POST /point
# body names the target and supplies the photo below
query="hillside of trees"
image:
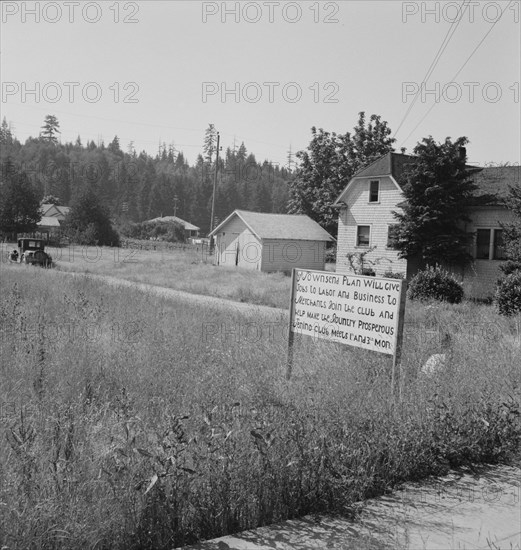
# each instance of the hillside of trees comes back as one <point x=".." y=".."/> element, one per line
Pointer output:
<point x="136" y="187"/>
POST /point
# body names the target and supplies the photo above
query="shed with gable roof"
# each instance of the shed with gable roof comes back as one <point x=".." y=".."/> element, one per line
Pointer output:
<point x="270" y="242"/>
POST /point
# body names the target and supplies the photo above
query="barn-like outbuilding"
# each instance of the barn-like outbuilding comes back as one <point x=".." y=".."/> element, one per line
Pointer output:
<point x="270" y="242"/>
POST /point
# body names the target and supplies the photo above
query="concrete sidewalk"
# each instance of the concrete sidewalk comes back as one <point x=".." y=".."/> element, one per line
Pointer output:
<point x="468" y="511"/>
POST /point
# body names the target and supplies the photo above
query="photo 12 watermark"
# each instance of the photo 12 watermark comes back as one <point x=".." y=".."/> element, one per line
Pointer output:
<point x="52" y="172"/>
<point x="73" y="92"/>
<point x="455" y="92"/>
<point x="271" y="12"/>
<point x="69" y="331"/>
<point x="245" y="333"/>
<point x="70" y="253"/>
<point x="453" y="12"/>
<point x="269" y="92"/>
<point x="70" y="12"/>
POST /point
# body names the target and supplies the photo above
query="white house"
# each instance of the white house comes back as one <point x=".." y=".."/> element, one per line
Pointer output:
<point x="365" y="221"/>
<point x="52" y="218"/>
<point x="270" y="242"/>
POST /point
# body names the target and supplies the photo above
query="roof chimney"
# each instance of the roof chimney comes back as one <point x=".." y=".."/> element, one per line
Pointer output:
<point x="462" y="153"/>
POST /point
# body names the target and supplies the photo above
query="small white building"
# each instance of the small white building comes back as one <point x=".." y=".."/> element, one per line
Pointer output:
<point x="270" y="242"/>
<point x="52" y="219"/>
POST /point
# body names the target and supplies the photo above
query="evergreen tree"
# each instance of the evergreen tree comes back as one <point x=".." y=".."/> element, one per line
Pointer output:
<point x="438" y="194"/>
<point x="210" y="139"/>
<point x="66" y="170"/>
<point x="144" y="198"/>
<point x="19" y="205"/>
<point x="6" y="137"/>
<point x="50" y="129"/>
<point x="157" y="205"/>
<point x="88" y="221"/>
<point x="114" y="147"/>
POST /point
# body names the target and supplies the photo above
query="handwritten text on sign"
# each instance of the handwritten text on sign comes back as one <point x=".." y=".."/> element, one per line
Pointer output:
<point x="350" y="309"/>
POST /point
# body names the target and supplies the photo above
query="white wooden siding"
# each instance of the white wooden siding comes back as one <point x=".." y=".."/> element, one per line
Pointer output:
<point x="227" y="241"/>
<point x="378" y="215"/>
<point x="284" y="255"/>
<point x="250" y="251"/>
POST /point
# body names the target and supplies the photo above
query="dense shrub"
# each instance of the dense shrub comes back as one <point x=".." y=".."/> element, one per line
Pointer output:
<point x="331" y="255"/>
<point x="508" y="294"/>
<point x="435" y="283"/>
<point x="510" y="266"/>
<point x="88" y="222"/>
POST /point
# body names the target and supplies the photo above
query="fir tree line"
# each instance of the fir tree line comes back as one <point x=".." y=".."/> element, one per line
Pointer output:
<point x="137" y="187"/>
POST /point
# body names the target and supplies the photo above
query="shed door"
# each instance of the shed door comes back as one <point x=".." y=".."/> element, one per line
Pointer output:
<point x="229" y="250"/>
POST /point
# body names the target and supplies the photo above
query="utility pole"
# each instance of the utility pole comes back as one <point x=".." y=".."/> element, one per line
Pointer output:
<point x="214" y="187"/>
<point x="176" y="199"/>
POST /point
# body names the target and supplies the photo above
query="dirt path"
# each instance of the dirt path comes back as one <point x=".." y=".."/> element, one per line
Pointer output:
<point x="179" y="295"/>
<point x="464" y="511"/>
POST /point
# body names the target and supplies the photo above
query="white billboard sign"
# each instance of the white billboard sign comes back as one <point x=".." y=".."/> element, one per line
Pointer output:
<point x="366" y="312"/>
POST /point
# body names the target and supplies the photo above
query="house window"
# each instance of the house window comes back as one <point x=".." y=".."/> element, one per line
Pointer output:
<point x="499" y="251"/>
<point x="489" y="244"/>
<point x="392" y="236"/>
<point x="374" y="191"/>
<point x="362" y="237"/>
<point x="483" y="244"/>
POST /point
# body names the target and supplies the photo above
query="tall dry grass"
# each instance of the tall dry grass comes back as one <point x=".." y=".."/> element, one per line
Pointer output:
<point x="133" y="422"/>
<point x="188" y="268"/>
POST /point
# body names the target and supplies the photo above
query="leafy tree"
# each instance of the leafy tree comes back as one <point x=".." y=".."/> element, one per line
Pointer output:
<point x="329" y="162"/>
<point x="50" y="129"/>
<point x="512" y="231"/>
<point x="19" y="205"/>
<point x="88" y="221"/>
<point x="438" y="194"/>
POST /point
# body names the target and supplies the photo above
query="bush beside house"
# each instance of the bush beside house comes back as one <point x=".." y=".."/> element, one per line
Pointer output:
<point x="435" y="283"/>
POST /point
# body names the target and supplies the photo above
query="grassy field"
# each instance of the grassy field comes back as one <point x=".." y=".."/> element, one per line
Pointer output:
<point x="133" y="422"/>
<point x="189" y="269"/>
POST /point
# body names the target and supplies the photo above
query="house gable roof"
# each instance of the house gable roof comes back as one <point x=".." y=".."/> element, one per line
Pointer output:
<point x="493" y="182"/>
<point x="49" y="209"/>
<point x="279" y="226"/>
<point x="391" y="164"/>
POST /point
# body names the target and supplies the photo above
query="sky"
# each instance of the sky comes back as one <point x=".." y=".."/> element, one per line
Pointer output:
<point x="264" y="73"/>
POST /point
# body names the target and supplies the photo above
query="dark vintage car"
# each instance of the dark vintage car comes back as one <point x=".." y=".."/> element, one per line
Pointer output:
<point x="31" y="251"/>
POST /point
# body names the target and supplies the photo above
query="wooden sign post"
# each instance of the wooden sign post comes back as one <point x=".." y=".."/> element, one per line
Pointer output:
<point x="396" y="382"/>
<point x="291" y="334"/>
<point x="355" y="310"/>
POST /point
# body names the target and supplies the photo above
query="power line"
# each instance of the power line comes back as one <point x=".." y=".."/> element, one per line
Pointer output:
<point x="450" y="33"/>
<point x="459" y="70"/>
